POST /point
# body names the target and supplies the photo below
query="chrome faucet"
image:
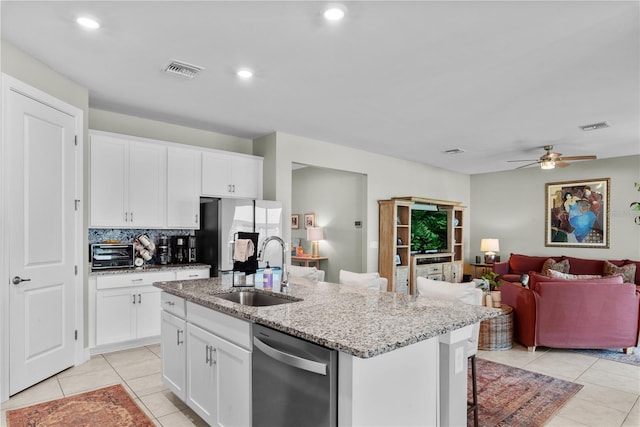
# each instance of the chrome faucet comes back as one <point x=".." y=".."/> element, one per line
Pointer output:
<point x="284" y="279"/>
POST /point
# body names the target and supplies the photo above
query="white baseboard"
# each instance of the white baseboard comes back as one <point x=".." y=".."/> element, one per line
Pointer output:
<point x="108" y="348"/>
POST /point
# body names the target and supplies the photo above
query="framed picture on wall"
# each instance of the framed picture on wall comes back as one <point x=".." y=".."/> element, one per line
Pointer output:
<point x="309" y="220"/>
<point x="577" y="213"/>
<point x="295" y="221"/>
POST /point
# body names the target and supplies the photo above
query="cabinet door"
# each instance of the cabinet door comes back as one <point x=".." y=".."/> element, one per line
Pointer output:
<point x="108" y="174"/>
<point x="245" y="177"/>
<point x="201" y="380"/>
<point x="147" y="184"/>
<point x="183" y="188"/>
<point x="174" y="354"/>
<point x="233" y="372"/>
<point x="216" y="174"/>
<point x="147" y="311"/>
<point x="115" y="316"/>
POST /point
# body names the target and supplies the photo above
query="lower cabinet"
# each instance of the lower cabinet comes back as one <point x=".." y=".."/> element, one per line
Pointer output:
<point x="127" y="313"/>
<point x="211" y="374"/>
<point x="174" y="354"/>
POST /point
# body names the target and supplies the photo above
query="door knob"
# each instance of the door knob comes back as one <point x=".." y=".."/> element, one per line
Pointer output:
<point x="17" y="280"/>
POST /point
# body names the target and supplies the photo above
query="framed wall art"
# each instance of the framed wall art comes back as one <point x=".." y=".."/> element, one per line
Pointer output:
<point x="577" y="213"/>
<point x="309" y="220"/>
<point x="295" y="221"/>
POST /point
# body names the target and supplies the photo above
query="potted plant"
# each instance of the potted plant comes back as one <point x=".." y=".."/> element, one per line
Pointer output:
<point x="494" y="287"/>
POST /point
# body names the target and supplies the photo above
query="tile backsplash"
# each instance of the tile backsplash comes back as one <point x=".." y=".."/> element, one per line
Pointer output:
<point x="99" y="235"/>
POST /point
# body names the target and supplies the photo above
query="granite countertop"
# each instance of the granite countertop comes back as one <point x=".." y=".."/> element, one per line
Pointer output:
<point x="360" y="322"/>
<point x="147" y="269"/>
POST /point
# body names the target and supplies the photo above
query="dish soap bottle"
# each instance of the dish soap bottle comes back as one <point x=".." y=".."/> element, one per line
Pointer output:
<point x="267" y="278"/>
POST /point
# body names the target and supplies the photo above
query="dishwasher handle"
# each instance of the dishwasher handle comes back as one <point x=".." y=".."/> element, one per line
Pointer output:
<point x="290" y="359"/>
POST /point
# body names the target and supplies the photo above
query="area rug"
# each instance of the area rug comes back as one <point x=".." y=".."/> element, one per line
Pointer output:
<point x="509" y="396"/>
<point x="613" y="354"/>
<point x="109" y="406"/>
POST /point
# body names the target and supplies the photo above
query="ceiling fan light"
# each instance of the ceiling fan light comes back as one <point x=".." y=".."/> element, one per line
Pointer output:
<point x="547" y="164"/>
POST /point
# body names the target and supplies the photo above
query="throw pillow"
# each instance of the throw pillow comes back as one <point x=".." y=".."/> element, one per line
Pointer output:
<point x="309" y="273"/>
<point x="628" y="271"/>
<point x="551" y="264"/>
<point x="567" y="276"/>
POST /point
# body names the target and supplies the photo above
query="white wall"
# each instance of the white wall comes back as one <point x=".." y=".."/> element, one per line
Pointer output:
<point x="338" y="199"/>
<point x="511" y="207"/>
<point x="129" y="125"/>
<point x="386" y="177"/>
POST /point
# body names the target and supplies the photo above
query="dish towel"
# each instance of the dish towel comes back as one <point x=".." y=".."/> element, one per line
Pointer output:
<point x="244" y="248"/>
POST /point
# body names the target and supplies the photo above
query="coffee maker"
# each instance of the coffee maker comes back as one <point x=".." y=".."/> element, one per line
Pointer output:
<point x="191" y="249"/>
<point x="163" y="253"/>
<point x="179" y="249"/>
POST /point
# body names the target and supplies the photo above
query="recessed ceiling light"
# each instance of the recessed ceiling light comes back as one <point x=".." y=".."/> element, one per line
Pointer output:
<point x="334" y="13"/>
<point x="244" y="73"/>
<point x="88" y="23"/>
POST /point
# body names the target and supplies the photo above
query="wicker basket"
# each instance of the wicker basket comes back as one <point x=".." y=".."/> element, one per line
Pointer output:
<point x="497" y="333"/>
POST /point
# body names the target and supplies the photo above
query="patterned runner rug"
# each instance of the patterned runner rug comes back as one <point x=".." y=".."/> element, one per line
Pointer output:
<point x="509" y="396"/>
<point x="614" y="354"/>
<point x="109" y="406"/>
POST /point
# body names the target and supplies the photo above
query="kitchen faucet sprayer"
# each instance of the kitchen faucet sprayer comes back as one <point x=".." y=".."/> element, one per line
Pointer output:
<point x="284" y="280"/>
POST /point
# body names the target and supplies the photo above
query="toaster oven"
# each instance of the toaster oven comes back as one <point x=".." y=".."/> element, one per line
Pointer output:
<point x="108" y="255"/>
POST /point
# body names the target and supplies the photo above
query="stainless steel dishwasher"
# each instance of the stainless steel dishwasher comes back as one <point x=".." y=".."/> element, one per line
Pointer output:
<point x="294" y="381"/>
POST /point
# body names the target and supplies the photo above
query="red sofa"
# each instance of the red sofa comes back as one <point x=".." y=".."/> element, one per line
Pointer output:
<point x="560" y="313"/>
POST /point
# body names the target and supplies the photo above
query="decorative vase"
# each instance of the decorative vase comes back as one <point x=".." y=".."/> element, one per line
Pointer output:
<point x="496" y="298"/>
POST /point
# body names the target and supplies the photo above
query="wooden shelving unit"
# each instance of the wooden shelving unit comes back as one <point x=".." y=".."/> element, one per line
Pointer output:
<point x="395" y="241"/>
<point x="395" y="223"/>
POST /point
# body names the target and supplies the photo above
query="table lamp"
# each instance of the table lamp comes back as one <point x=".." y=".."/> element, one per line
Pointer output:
<point x="489" y="247"/>
<point x="313" y="235"/>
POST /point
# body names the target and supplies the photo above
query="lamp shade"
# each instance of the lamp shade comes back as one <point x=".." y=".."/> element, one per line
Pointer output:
<point x="489" y="245"/>
<point x="315" y="233"/>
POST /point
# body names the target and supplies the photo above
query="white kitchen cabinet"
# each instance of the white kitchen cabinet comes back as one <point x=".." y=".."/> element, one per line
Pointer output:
<point x="218" y="379"/>
<point x="127" y="313"/>
<point x="231" y="175"/>
<point x="174" y="353"/>
<point x="192" y="274"/>
<point x="183" y="188"/>
<point x="127" y="182"/>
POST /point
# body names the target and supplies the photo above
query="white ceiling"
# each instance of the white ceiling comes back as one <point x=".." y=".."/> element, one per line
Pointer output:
<point x="406" y="79"/>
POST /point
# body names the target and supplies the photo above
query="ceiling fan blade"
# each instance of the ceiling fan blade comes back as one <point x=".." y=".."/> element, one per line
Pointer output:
<point x="524" y="166"/>
<point x="562" y="163"/>
<point x="579" y="158"/>
<point x="528" y="160"/>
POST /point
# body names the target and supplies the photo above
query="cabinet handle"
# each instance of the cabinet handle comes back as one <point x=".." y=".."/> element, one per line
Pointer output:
<point x="196" y="218"/>
<point x="139" y="298"/>
<point x="206" y="355"/>
<point x="131" y="216"/>
<point x="134" y="298"/>
<point x="179" y="331"/>
<point x="170" y="303"/>
<point x="212" y="360"/>
<point x="229" y="188"/>
<point x="234" y="188"/>
<point x="193" y="275"/>
<point x="137" y="280"/>
<point x="126" y="217"/>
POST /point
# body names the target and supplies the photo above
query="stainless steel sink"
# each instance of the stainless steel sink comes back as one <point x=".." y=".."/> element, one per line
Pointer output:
<point x="256" y="299"/>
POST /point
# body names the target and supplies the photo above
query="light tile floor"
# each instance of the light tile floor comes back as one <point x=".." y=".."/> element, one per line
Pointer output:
<point x="610" y="396"/>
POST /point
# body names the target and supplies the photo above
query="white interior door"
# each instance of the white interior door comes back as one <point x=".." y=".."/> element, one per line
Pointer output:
<point x="41" y="191"/>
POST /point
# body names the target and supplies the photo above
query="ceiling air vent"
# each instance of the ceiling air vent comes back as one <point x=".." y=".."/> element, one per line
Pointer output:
<point x="595" y="126"/>
<point x="183" y="69"/>
<point x="454" y="151"/>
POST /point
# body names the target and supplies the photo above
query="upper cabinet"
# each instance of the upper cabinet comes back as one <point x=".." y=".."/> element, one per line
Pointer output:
<point x="143" y="183"/>
<point x="183" y="188"/>
<point x="231" y="176"/>
<point x="127" y="182"/>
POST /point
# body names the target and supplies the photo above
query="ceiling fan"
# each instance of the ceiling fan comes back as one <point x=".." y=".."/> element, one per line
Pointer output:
<point x="550" y="160"/>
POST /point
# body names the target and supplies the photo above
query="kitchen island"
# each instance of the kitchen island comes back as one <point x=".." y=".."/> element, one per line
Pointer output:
<point x="401" y="358"/>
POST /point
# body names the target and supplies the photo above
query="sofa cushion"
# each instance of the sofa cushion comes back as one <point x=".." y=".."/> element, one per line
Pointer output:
<point x="519" y="263"/>
<point x="551" y="264"/>
<point x="627" y="271"/>
<point x="567" y="276"/>
<point x="585" y="266"/>
<point x="535" y="278"/>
